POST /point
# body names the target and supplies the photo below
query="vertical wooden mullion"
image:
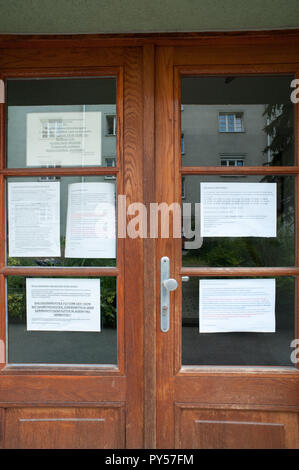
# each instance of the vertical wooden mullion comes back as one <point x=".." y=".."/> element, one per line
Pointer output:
<point x="149" y="249"/>
<point x="296" y="225"/>
<point x="2" y="228"/>
<point x="2" y="221"/>
<point x="133" y="251"/>
<point x="2" y="181"/>
<point x="120" y="288"/>
<point x="2" y="322"/>
<point x="165" y="192"/>
<point x="2" y="278"/>
<point x="2" y="125"/>
<point x="178" y="241"/>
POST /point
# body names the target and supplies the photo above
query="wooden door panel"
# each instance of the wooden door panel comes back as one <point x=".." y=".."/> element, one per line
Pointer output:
<point x="64" y="428"/>
<point x="2" y="427"/>
<point x="229" y="395"/>
<point x="68" y="406"/>
<point x="238" y="388"/>
<point x="29" y="389"/>
<point x="227" y="429"/>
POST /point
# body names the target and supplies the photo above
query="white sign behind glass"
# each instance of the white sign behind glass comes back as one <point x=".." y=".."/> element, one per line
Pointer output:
<point x="237" y="305"/>
<point x="90" y="230"/>
<point x="64" y="139"/>
<point x="34" y="219"/>
<point x="63" y="304"/>
<point x="238" y="209"/>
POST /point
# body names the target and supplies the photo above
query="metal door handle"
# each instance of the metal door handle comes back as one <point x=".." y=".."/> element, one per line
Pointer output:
<point x="167" y="284"/>
<point x="170" y="284"/>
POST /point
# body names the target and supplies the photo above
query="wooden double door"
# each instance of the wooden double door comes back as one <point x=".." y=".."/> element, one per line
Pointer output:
<point x="174" y="118"/>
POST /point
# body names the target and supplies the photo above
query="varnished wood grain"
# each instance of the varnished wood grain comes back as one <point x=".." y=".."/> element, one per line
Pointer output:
<point x="65" y="428"/>
<point x="246" y="388"/>
<point x="149" y="250"/>
<point x="84" y="171"/>
<point x="133" y="251"/>
<point x="56" y="271"/>
<point x="231" y="429"/>
<point x="2" y="427"/>
<point x="231" y="272"/>
<point x="52" y="388"/>
<point x="245" y="170"/>
<point x="296" y="222"/>
<point x="17" y="59"/>
<point x="2" y="323"/>
<point x="2" y="135"/>
<point x="165" y="192"/>
<point x="219" y="53"/>
<point x="137" y="39"/>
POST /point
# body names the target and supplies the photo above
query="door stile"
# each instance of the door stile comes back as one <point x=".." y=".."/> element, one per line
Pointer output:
<point x="2" y="231"/>
<point x="165" y="174"/>
<point x="296" y="157"/>
<point x="149" y="249"/>
<point x="133" y="252"/>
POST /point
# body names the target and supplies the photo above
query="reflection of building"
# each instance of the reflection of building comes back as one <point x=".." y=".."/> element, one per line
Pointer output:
<point x="225" y="122"/>
<point x="209" y="140"/>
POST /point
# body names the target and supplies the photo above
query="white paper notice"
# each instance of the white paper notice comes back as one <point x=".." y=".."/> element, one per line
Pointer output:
<point x="64" y="139"/>
<point x="238" y="209"/>
<point x="237" y="305"/>
<point x="34" y="219"/>
<point x="90" y="230"/>
<point x="63" y="304"/>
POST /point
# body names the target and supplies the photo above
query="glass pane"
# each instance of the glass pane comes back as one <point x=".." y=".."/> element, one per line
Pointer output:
<point x="80" y="226"/>
<point x="247" y="251"/>
<point x="61" y="122"/>
<point x="238" y="348"/>
<point x="249" y="116"/>
<point x="27" y="346"/>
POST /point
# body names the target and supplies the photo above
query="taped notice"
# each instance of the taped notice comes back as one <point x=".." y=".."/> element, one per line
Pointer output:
<point x="235" y="305"/>
<point x="63" y="304"/>
<point x="238" y="209"/>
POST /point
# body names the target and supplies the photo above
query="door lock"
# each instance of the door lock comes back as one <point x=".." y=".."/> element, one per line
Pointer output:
<point x="167" y="284"/>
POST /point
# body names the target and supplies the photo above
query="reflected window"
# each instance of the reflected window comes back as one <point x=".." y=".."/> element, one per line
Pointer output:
<point x="110" y="161"/>
<point x="183" y="188"/>
<point x="232" y="161"/>
<point x="231" y="122"/>
<point x="182" y="144"/>
<point x="111" y="124"/>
